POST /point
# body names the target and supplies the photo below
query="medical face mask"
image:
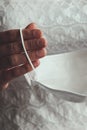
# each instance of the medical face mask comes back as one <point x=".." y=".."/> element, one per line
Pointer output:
<point x="65" y="73"/>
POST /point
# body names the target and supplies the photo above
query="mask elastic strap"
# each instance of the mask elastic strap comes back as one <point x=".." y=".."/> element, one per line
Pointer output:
<point x="28" y="58"/>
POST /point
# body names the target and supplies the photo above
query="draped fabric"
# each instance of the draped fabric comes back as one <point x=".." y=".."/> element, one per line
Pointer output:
<point x="64" y="23"/>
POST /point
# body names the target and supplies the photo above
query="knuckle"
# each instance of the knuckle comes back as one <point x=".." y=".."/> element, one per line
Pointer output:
<point x="32" y="55"/>
<point x="36" y="33"/>
<point x="10" y="48"/>
<point x="11" y="60"/>
<point x="40" y="43"/>
<point x="43" y="42"/>
<point x="30" y="44"/>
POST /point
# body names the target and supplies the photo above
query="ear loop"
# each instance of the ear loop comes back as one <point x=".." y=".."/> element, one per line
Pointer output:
<point x="32" y="78"/>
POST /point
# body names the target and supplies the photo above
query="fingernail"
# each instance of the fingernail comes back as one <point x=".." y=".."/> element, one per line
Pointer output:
<point x="41" y="53"/>
<point x="37" y="33"/>
<point x="44" y="42"/>
<point x="36" y="64"/>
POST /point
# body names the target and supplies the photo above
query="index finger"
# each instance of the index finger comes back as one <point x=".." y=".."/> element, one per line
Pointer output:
<point x="14" y="35"/>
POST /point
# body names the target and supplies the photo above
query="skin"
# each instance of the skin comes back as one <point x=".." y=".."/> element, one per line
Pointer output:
<point x="13" y="60"/>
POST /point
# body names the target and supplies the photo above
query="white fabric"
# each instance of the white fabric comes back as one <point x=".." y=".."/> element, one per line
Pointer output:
<point x="64" y="23"/>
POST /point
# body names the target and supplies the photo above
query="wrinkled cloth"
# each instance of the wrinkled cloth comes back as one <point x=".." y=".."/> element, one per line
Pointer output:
<point x="64" y="23"/>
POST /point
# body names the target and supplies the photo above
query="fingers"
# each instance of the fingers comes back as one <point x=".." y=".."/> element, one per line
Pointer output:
<point x="13" y="60"/>
<point x="14" y="35"/>
<point x="18" y="59"/>
<point x="8" y="75"/>
<point x="15" y="48"/>
<point x="35" y="44"/>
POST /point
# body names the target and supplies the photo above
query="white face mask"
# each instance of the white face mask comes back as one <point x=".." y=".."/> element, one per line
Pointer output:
<point x="65" y="72"/>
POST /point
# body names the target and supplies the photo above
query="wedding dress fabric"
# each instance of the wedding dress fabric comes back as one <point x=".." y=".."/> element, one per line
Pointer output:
<point x="64" y="23"/>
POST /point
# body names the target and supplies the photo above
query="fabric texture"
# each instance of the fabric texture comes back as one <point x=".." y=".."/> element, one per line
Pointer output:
<point x="64" y="23"/>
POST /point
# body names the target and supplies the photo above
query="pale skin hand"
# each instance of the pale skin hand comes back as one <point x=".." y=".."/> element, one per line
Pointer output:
<point x="12" y="53"/>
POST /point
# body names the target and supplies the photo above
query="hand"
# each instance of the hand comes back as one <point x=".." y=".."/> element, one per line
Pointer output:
<point x="13" y="62"/>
